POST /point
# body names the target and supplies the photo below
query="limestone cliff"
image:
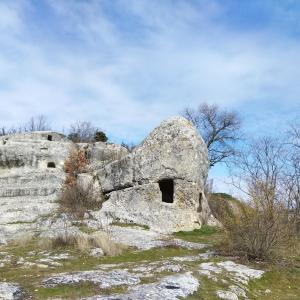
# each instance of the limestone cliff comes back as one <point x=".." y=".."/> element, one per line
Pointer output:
<point x="159" y="184"/>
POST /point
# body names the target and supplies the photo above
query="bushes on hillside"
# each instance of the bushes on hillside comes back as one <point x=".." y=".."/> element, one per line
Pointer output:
<point x="76" y="163"/>
<point x="100" y="136"/>
<point x="264" y="226"/>
<point x="258" y="233"/>
<point x="77" y="197"/>
<point x="86" y="132"/>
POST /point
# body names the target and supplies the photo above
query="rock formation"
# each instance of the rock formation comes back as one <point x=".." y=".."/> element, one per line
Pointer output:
<point x="159" y="184"/>
<point x="31" y="173"/>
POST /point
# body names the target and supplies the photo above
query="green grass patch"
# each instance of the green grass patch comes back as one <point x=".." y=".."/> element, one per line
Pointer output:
<point x="282" y="282"/>
<point x="67" y="291"/>
<point x="31" y="278"/>
<point x="206" y="234"/>
<point x="131" y="225"/>
<point x="86" y="229"/>
<point x="207" y="289"/>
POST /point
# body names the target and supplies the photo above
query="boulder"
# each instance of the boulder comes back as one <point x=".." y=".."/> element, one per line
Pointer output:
<point x="173" y="150"/>
<point x="160" y="183"/>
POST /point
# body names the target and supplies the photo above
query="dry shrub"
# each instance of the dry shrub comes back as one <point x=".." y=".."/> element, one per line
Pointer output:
<point x="258" y="233"/>
<point x="76" y="163"/>
<point x="77" y="199"/>
<point x="263" y="228"/>
<point x="61" y="241"/>
<point x="109" y="247"/>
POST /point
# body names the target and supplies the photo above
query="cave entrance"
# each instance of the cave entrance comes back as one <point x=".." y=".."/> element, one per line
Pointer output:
<point x="51" y="165"/>
<point x="49" y="137"/>
<point x="167" y="190"/>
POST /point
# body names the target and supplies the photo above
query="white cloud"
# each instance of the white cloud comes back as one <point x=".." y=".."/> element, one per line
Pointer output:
<point x="129" y="70"/>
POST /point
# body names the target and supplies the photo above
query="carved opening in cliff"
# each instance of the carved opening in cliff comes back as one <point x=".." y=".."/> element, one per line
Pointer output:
<point x="199" y="209"/>
<point x="51" y="165"/>
<point x="49" y="138"/>
<point x="167" y="190"/>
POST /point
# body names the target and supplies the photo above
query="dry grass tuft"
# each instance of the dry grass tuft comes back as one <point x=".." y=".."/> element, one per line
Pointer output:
<point x="109" y="247"/>
<point x="83" y="242"/>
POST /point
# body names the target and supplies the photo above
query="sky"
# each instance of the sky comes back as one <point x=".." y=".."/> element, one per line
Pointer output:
<point x="126" y="65"/>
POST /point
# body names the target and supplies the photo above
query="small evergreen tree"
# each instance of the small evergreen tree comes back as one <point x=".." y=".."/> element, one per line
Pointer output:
<point x="100" y="136"/>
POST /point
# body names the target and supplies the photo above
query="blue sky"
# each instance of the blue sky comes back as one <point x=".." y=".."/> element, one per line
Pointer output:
<point x="126" y="65"/>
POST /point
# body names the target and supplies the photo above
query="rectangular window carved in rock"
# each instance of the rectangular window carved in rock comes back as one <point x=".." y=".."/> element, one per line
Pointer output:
<point x="167" y="190"/>
<point x="51" y="165"/>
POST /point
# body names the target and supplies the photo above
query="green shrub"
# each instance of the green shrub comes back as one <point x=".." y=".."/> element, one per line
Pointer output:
<point x="100" y="136"/>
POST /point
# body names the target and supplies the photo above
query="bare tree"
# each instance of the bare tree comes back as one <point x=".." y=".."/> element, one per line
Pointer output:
<point x="85" y="132"/>
<point x="264" y="225"/>
<point x="257" y="169"/>
<point x="291" y="188"/>
<point x="37" y="123"/>
<point x="294" y="134"/>
<point x="220" y="130"/>
<point x="291" y="176"/>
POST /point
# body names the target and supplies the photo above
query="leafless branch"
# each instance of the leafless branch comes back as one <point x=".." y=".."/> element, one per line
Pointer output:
<point x="220" y="130"/>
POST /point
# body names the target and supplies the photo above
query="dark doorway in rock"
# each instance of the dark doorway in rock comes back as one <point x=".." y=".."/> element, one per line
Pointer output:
<point x="167" y="190"/>
<point x="199" y="209"/>
<point x="51" y="165"/>
<point x="49" y="138"/>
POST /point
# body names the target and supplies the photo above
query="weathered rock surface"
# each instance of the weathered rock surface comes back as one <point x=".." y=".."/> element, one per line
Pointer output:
<point x="10" y="291"/>
<point x="160" y="184"/>
<point x="239" y="273"/>
<point x="100" y="153"/>
<point x="24" y="197"/>
<point x="173" y="150"/>
<point x="102" y="278"/>
<point x="169" y="288"/>
<point x="227" y="295"/>
<point x="173" y="277"/>
<point x="147" y="239"/>
<point x="33" y="150"/>
<point x="143" y="205"/>
<point x="31" y="177"/>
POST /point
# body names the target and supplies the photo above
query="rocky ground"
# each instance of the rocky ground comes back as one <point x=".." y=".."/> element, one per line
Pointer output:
<point x="155" y="266"/>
